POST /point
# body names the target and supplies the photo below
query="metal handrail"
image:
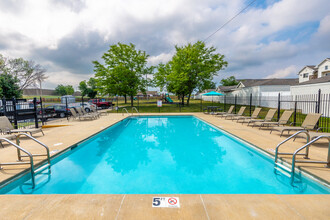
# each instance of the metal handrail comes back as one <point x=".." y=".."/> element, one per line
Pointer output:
<point x="292" y="136"/>
<point x="32" y="138"/>
<point x="17" y="163"/>
<point x="19" y="149"/>
<point x="122" y="111"/>
<point x="306" y="146"/>
<point x="135" y="110"/>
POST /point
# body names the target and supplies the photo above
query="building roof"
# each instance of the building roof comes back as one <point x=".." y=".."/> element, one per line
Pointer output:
<point x="208" y="90"/>
<point x="226" y="88"/>
<point x="323" y="79"/>
<point x="326" y="59"/>
<point x="148" y="93"/>
<point x="268" y="82"/>
<point x="313" y="67"/>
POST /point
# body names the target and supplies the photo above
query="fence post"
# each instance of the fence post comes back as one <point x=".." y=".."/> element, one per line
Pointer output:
<point x="235" y="103"/>
<point x="82" y="101"/>
<point x="138" y="102"/>
<point x="117" y="103"/>
<point x="295" y="112"/>
<point x="318" y="102"/>
<point x="4" y="107"/>
<point x="279" y="106"/>
<point x="66" y="108"/>
<point x="318" y="106"/>
<point x="201" y="104"/>
<point x="15" y="113"/>
<point x="250" y="104"/>
<point x="224" y="104"/>
<point x="35" y="112"/>
<point x="42" y="112"/>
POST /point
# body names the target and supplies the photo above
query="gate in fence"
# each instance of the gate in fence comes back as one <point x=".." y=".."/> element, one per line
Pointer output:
<point x="22" y="113"/>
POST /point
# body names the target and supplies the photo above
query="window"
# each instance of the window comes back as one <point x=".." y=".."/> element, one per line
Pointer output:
<point x="305" y="75"/>
<point x="326" y="67"/>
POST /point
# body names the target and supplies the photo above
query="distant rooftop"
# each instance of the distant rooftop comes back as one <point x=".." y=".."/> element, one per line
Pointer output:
<point x="226" y="88"/>
<point x="323" y="79"/>
<point x="264" y="82"/>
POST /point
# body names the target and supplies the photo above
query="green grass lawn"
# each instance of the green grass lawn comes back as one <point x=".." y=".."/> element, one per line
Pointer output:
<point x="149" y="106"/>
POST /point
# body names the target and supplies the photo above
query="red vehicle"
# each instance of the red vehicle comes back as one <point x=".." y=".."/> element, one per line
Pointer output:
<point x="101" y="103"/>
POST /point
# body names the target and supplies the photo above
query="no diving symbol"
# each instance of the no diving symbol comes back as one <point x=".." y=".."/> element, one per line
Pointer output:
<point x="172" y="201"/>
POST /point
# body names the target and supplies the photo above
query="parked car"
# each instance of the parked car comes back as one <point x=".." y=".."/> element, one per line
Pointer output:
<point x="101" y="103"/>
<point x="85" y="105"/>
<point x="60" y="110"/>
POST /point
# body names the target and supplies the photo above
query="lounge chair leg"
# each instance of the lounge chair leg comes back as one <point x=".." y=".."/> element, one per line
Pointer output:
<point x="2" y="144"/>
<point x="42" y="133"/>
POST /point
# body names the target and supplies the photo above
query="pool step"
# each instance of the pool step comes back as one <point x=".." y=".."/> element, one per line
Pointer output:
<point x="283" y="169"/>
<point x="43" y="167"/>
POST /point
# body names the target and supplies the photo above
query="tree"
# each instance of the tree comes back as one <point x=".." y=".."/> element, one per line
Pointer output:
<point x="123" y="71"/>
<point x="28" y="73"/>
<point x="88" y="88"/>
<point x="64" y="90"/>
<point x="69" y="90"/>
<point x="230" y="81"/>
<point x="192" y="68"/>
<point x="9" y="87"/>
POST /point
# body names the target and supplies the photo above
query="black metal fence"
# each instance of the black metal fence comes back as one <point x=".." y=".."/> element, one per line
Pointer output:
<point x="22" y="113"/>
<point x="300" y="104"/>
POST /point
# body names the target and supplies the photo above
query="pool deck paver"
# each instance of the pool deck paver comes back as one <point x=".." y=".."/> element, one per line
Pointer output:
<point x="206" y="206"/>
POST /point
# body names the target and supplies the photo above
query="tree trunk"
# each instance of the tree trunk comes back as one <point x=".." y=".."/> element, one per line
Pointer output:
<point x="125" y="99"/>
<point x="132" y="100"/>
<point x="182" y="100"/>
<point x="188" y="99"/>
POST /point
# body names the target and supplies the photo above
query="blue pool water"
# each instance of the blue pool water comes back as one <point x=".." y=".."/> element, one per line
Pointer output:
<point x="163" y="155"/>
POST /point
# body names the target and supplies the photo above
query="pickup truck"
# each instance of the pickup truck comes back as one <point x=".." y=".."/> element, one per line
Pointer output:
<point x="100" y="103"/>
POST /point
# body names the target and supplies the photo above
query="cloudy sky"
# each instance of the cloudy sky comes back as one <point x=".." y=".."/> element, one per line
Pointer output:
<point x="271" y="39"/>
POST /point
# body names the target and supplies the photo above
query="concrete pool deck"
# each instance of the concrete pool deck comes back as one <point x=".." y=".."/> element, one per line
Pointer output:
<point x="216" y="206"/>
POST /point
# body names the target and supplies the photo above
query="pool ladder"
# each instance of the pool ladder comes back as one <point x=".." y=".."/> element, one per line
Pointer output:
<point x="122" y="111"/>
<point x="133" y="108"/>
<point x="290" y="171"/>
<point x="20" y="161"/>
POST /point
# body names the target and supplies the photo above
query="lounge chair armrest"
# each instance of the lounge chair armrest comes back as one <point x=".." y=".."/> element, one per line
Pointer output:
<point x="319" y="129"/>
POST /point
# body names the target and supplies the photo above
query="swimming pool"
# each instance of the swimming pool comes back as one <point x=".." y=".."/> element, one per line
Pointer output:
<point x="163" y="155"/>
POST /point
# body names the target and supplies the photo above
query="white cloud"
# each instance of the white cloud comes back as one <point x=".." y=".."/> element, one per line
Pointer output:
<point x="290" y="71"/>
<point x="81" y="30"/>
<point x="161" y="58"/>
<point x="64" y="78"/>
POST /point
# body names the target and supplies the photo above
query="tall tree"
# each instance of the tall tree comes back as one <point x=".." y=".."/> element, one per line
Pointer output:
<point x="123" y="71"/>
<point x="230" y="81"/>
<point x="192" y="68"/>
<point x="64" y="90"/>
<point x="9" y="87"/>
<point x="88" y="88"/>
<point x="28" y="73"/>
